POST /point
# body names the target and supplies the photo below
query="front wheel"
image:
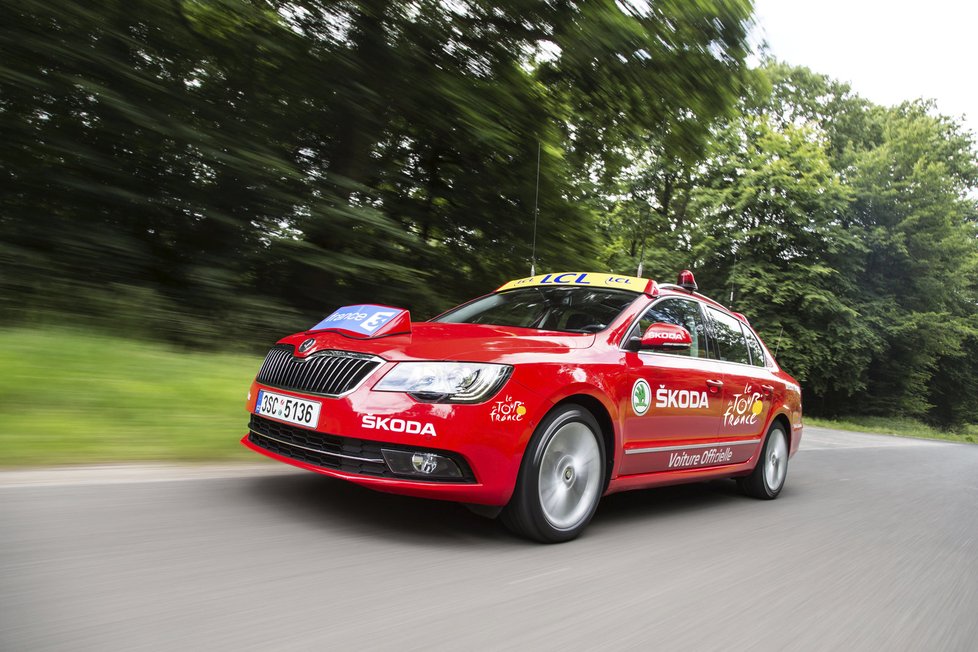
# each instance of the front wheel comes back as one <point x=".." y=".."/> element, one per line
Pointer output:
<point x="560" y="479"/>
<point x="767" y="478"/>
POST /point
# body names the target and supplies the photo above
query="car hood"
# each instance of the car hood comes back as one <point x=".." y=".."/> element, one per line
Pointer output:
<point x="442" y="341"/>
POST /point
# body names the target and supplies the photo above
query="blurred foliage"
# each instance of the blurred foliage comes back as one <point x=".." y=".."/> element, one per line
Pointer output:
<point x="106" y="398"/>
<point x="230" y="170"/>
<point x="190" y="169"/>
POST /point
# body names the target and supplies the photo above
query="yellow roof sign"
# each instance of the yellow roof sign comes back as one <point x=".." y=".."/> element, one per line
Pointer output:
<point x="594" y="279"/>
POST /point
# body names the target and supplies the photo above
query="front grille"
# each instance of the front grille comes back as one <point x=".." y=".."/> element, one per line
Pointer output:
<point x="327" y="373"/>
<point x="347" y="454"/>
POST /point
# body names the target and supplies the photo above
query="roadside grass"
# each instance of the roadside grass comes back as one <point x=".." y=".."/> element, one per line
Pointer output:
<point x="896" y="426"/>
<point x="68" y="397"/>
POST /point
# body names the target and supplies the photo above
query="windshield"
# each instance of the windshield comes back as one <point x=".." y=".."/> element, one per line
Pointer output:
<point x="571" y="309"/>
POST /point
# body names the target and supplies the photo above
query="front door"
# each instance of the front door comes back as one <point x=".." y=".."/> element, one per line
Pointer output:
<point x="675" y="397"/>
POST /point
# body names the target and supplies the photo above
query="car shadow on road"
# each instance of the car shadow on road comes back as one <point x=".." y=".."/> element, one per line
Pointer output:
<point x="326" y="502"/>
<point x="643" y="505"/>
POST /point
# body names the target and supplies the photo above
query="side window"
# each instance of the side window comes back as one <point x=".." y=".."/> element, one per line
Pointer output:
<point x="682" y="313"/>
<point x="729" y="336"/>
<point x="756" y="352"/>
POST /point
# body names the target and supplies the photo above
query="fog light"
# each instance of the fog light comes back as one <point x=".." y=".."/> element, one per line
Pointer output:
<point x="421" y="464"/>
<point x="424" y="462"/>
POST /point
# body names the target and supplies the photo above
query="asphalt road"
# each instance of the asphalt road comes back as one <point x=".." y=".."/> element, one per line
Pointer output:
<point x="873" y="545"/>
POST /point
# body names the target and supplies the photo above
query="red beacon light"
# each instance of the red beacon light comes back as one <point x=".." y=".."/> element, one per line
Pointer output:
<point x="687" y="281"/>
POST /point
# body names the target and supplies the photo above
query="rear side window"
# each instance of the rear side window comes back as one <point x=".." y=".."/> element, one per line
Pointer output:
<point x="729" y="337"/>
<point x="756" y="352"/>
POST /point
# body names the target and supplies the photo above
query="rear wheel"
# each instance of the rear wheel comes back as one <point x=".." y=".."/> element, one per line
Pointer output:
<point x="767" y="479"/>
<point x="560" y="479"/>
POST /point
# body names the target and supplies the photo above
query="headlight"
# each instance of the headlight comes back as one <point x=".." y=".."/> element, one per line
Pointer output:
<point x="445" y="382"/>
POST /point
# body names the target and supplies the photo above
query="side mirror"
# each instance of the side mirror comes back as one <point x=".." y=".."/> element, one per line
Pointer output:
<point x="667" y="337"/>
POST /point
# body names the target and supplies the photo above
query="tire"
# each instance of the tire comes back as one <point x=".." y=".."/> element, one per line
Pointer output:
<point x="561" y="478"/>
<point x="767" y="479"/>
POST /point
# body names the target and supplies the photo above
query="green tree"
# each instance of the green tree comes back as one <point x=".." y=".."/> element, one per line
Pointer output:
<point x="918" y="224"/>
<point x="772" y="231"/>
<point x="852" y="227"/>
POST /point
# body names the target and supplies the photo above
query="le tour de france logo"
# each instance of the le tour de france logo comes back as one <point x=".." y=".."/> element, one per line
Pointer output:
<point x="743" y="408"/>
<point x="641" y="397"/>
<point x="508" y="410"/>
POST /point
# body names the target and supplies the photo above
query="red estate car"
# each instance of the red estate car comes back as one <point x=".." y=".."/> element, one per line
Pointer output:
<point x="533" y="401"/>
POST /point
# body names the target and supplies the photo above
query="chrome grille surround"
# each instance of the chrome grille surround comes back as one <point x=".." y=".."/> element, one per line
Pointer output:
<point x="329" y="372"/>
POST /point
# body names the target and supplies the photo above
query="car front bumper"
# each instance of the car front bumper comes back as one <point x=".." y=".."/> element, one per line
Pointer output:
<point x="487" y="452"/>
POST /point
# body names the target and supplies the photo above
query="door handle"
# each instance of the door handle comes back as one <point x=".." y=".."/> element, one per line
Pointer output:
<point x="768" y="389"/>
<point x="714" y="385"/>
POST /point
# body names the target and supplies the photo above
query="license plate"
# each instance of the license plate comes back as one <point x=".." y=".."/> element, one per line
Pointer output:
<point x="288" y="408"/>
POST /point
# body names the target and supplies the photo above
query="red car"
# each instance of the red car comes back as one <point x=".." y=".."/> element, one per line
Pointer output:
<point x="533" y="401"/>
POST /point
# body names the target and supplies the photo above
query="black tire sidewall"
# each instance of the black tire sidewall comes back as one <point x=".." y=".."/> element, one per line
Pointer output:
<point x="755" y="484"/>
<point x="775" y="431"/>
<point x="529" y="481"/>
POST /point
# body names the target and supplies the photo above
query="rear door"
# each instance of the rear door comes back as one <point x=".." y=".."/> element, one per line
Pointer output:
<point x="675" y="396"/>
<point x="747" y="387"/>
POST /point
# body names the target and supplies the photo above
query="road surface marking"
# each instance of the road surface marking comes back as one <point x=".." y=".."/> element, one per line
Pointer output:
<point x="133" y="474"/>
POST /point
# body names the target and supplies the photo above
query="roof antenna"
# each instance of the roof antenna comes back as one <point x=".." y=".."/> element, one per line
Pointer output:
<point x="641" y="253"/>
<point x="641" y="259"/>
<point x="536" y="214"/>
<point x="733" y="282"/>
<point x="777" y="347"/>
